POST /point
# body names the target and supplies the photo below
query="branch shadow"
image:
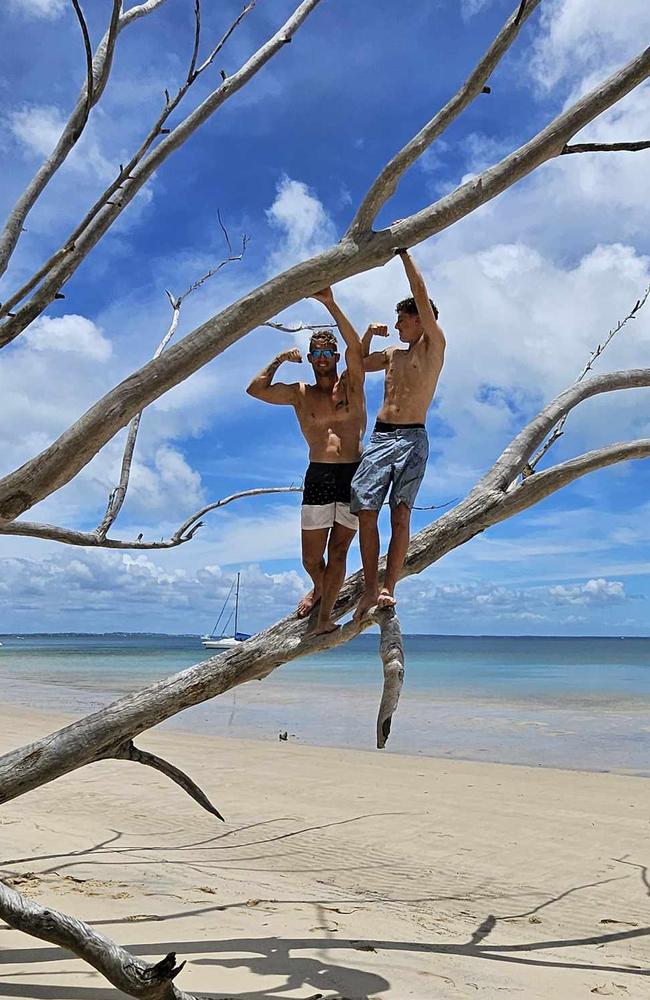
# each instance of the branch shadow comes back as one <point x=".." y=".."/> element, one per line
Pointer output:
<point x="277" y="957"/>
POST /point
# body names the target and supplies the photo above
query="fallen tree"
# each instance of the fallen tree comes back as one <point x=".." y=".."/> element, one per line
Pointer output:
<point x="512" y="485"/>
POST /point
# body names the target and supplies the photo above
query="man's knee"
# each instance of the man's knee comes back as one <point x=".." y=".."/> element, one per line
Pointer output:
<point x="400" y="515"/>
<point x="337" y="550"/>
<point x="312" y="563"/>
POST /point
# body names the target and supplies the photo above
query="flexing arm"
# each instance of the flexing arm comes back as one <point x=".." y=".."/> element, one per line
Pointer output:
<point x="433" y="334"/>
<point x="353" y="349"/>
<point x="377" y="360"/>
<point x="261" y="387"/>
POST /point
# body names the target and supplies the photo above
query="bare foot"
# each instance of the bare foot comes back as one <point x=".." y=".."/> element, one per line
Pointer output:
<point x="385" y="599"/>
<point x="368" y="600"/>
<point x="322" y="628"/>
<point x="308" y="604"/>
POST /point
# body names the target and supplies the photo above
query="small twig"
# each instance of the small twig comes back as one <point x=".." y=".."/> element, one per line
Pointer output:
<point x="606" y="147"/>
<point x="520" y="12"/>
<point x="557" y="432"/>
<point x="89" y="61"/>
<point x="197" y="39"/>
<point x="299" y="327"/>
<point x="118" y="495"/>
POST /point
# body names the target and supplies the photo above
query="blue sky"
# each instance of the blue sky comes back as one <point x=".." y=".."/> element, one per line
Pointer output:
<point x="526" y="288"/>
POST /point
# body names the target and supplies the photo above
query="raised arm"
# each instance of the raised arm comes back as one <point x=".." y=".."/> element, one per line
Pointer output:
<point x="374" y="361"/>
<point x="261" y="387"/>
<point x="432" y="332"/>
<point x="353" y="349"/>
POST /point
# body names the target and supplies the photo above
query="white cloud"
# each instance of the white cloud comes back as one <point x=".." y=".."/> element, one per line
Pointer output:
<point x="594" y="592"/>
<point x="302" y="221"/>
<point x="39" y="8"/>
<point x="143" y="588"/>
<point x="579" y="36"/>
<point x="39" y="128"/>
<point x="69" y="334"/>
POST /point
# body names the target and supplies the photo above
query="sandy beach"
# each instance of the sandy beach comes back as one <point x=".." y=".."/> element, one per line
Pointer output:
<point x="338" y="873"/>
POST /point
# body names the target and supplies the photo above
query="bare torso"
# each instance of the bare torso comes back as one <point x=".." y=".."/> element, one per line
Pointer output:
<point x="333" y="421"/>
<point x="410" y="382"/>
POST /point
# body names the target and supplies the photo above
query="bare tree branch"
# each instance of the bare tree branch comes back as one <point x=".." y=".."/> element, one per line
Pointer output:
<point x="530" y="467"/>
<point x="298" y="327"/>
<point x="123" y="970"/>
<point x="386" y="182"/>
<point x="391" y="650"/>
<point x="91" y="539"/>
<point x="60" y="462"/>
<point x="118" y="495"/>
<point x="101" y="68"/>
<point x="57" y="272"/>
<point x="606" y="147"/>
<point x="542" y="484"/>
<point x="124" y="174"/>
<point x="128" y="751"/>
<point x="89" y="56"/>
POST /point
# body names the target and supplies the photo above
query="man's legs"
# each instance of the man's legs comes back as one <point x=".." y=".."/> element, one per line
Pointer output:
<point x="369" y="544"/>
<point x="337" y="551"/>
<point x="313" y="547"/>
<point x="400" y="521"/>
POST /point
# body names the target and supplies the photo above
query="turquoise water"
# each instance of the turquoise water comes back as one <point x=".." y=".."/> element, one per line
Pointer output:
<point x="579" y="703"/>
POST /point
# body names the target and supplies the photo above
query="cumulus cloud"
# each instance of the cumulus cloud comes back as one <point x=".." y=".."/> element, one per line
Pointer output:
<point x="143" y="590"/>
<point x="302" y="222"/>
<point x="69" y="334"/>
<point x="578" y="36"/>
<point x="39" y="127"/>
<point x="593" y="592"/>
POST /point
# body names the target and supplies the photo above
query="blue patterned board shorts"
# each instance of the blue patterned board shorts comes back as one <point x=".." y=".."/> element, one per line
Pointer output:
<point x="398" y="457"/>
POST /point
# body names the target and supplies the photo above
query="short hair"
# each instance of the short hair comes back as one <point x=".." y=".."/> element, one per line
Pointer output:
<point x="409" y="307"/>
<point x="323" y="337"/>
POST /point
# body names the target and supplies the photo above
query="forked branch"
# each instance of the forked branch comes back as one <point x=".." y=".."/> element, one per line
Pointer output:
<point x="118" y="495"/>
<point x="91" y="539"/>
<point x="121" y="968"/>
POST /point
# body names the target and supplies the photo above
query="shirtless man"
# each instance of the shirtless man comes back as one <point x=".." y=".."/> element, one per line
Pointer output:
<point x="399" y="447"/>
<point x="332" y="418"/>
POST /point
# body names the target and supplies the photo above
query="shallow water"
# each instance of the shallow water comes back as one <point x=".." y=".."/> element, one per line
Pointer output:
<point x="580" y="703"/>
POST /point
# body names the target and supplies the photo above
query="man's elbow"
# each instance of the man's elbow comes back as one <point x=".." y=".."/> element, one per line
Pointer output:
<point x="253" y="390"/>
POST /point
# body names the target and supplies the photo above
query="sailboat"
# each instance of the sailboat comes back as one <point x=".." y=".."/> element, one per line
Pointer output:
<point x="223" y="640"/>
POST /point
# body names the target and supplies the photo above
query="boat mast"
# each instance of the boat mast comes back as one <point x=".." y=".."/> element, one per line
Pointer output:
<point x="236" y="604"/>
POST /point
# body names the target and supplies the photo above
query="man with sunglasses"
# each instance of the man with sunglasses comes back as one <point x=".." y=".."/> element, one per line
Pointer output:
<point x="332" y="417"/>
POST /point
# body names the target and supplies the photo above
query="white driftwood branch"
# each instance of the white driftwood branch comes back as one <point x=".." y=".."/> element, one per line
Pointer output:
<point x="101" y="68"/>
<point x="91" y="539"/>
<point x="74" y="252"/>
<point x="118" y="495"/>
<point x="557" y="432"/>
<point x="386" y="183"/>
<point x="114" y="189"/>
<point x="298" y="327"/>
<point x="59" y="463"/>
<point x="391" y="650"/>
<point x="125" y="971"/>
<point x="487" y="504"/>
<point x="128" y="751"/>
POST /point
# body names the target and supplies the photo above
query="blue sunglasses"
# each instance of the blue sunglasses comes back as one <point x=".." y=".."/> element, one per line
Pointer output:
<point x="322" y="352"/>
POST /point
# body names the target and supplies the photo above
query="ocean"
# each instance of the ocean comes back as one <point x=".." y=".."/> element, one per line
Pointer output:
<point x="579" y="703"/>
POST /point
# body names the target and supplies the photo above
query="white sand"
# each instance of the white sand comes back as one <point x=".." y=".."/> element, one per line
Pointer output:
<point x="341" y="873"/>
